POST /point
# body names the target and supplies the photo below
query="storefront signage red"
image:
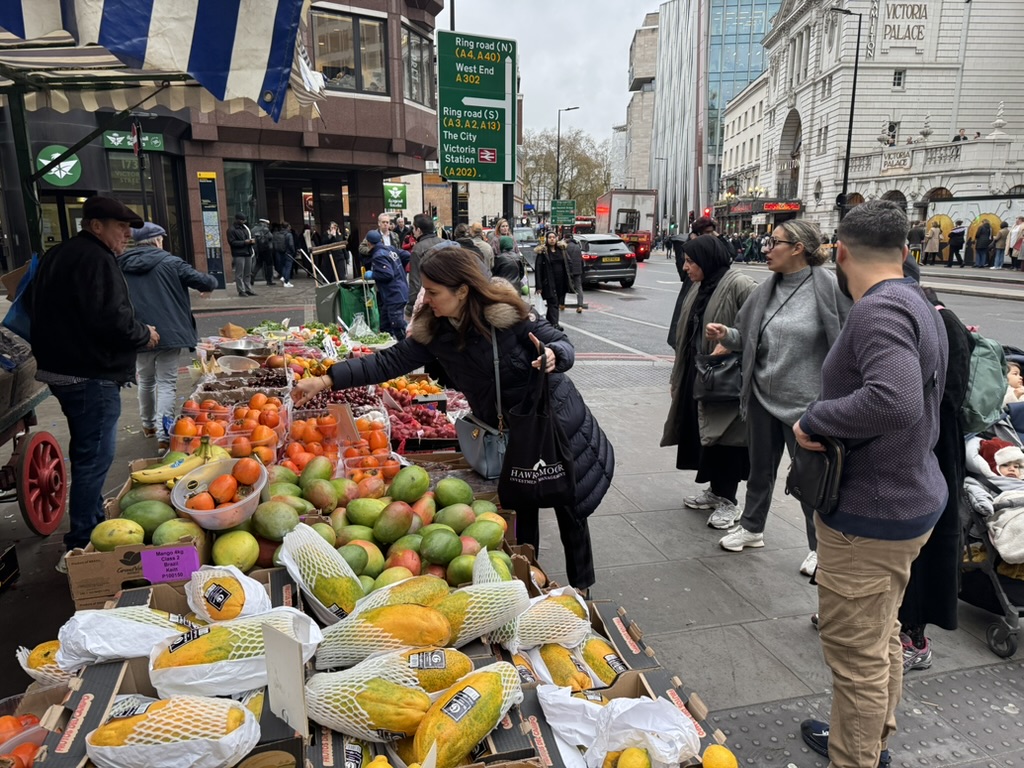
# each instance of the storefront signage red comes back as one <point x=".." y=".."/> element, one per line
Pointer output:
<point x="781" y="207"/>
<point x="741" y="208"/>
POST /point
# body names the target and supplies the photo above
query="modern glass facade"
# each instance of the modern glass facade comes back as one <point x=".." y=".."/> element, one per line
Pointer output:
<point x="735" y="59"/>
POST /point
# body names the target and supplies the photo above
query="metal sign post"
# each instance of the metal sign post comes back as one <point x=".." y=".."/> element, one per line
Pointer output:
<point x="141" y="157"/>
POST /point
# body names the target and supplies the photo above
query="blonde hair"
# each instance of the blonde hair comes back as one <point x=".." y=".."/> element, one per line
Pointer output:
<point x="807" y="234"/>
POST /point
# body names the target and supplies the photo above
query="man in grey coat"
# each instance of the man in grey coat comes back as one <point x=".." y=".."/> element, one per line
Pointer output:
<point x="243" y="249"/>
<point x="574" y="255"/>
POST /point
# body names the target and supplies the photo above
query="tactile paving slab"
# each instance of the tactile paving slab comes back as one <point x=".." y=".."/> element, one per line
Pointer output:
<point x="971" y="719"/>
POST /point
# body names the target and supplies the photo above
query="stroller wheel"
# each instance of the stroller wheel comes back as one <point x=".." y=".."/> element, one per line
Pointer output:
<point x="1001" y="640"/>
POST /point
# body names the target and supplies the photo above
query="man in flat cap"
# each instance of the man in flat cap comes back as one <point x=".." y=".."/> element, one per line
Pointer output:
<point x="85" y="337"/>
<point x="158" y="283"/>
<point x="243" y="249"/>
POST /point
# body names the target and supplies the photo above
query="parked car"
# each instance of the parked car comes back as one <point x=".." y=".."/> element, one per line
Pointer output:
<point x="527" y="240"/>
<point x="607" y="258"/>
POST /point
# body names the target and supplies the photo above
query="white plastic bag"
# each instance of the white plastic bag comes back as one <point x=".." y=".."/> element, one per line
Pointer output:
<point x="91" y="637"/>
<point x="202" y="716"/>
<point x="204" y="597"/>
<point x="246" y="665"/>
<point x="652" y="724"/>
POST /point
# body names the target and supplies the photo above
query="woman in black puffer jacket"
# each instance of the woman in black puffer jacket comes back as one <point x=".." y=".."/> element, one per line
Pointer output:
<point x="453" y="326"/>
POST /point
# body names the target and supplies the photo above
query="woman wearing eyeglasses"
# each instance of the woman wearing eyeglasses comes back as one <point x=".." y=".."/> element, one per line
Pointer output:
<point x="710" y="436"/>
<point x="784" y="331"/>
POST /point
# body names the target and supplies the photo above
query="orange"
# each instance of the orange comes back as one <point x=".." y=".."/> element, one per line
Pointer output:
<point x="258" y="400"/>
<point x="225" y="504"/>
<point x="10" y="727"/>
<point x="274" y="401"/>
<point x="248" y="425"/>
<point x="328" y="426"/>
<point x="363" y="424"/>
<point x="311" y="434"/>
<point x="27" y="753"/>
<point x="270" y="418"/>
<point x="28" y="721"/>
<point x="391" y="468"/>
<point x="380" y="452"/>
<point x="210" y="405"/>
<point x="368" y="462"/>
<point x="302" y="459"/>
<point x="214" y="429"/>
<point x="298" y="427"/>
<point x="190" y="405"/>
<point x="317" y="449"/>
<point x="378" y="439"/>
<point x="201" y="502"/>
<point x="351" y="452"/>
<point x="293" y="448"/>
<point x="289" y="464"/>
<point x="185" y="427"/>
<point x="201" y="418"/>
<point x="240" y="412"/>
<point x="241" y="447"/>
<point x="246" y="471"/>
<point x="265" y="453"/>
<point x="253" y="414"/>
<point x="218" y="411"/>
<point x="223" y="488"/>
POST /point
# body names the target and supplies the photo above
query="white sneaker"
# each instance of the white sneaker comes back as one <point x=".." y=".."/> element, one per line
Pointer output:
<point x="288" y="285"/>
<point x="725" y="517"/>
<point x="809" y="564"/>
<point x="704" y="500"/>
<point x="62" y="564"/>
<point x="739" y="538"/>
<point x="281" y="279"/>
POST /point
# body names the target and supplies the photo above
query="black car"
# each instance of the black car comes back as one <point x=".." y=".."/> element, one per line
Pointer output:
<point x="607" y="258"/>
<point x="527" y="240"/>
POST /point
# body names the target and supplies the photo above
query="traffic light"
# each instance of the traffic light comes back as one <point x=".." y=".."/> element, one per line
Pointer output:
<point x="707" y="212"/>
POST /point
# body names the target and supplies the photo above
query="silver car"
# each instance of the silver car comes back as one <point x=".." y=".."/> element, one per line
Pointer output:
<point x="607" y="258"/>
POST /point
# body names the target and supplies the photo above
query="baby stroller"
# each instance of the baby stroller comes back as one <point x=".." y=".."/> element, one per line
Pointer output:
<point x="984" y="582"/>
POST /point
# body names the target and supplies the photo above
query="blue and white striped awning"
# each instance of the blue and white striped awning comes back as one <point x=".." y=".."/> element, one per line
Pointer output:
<point x="249" y="49"/>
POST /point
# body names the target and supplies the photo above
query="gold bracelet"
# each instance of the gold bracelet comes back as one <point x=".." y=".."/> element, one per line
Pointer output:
<point x="330" y="381"/>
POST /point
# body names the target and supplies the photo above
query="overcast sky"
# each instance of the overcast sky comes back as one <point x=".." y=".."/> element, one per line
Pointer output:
<point x="571" y="53"/>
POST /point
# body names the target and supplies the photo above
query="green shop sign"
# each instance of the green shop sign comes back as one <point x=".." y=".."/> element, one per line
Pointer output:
<point x="151" y="142"/>
<point x="396" y="197"/>
<point x="66" y="173"/>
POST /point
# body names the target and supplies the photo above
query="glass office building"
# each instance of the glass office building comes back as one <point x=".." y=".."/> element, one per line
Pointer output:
<point x="735" y="58"/>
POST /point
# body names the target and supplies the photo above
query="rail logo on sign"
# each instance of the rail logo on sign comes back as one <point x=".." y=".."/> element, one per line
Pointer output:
<point x="487" y="155"/>
<point x="66" y="173"/>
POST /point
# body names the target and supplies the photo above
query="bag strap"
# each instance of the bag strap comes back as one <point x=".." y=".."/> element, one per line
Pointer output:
<point x="497" y="381"/>
<point x="760" y="333"/>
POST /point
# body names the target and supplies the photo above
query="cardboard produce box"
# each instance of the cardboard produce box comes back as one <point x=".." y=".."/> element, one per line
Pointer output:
<point x="99" y="686"/>
<point x="611" y="621"/>
<point x="284" y="593"/>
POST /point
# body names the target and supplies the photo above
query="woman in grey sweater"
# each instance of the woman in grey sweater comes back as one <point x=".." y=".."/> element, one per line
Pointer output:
<point x="784" y="330"/>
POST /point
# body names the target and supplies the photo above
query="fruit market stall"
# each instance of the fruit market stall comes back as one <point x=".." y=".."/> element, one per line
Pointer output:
<point x="299" y="584"/>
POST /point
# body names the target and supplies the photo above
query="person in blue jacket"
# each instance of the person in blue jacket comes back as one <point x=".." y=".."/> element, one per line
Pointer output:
<point x="158" y="284"/>
<point x="388" y="264"/>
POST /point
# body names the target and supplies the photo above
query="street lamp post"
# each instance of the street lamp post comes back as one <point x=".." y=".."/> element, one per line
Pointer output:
<point x="841" y="201"/>
<point x="558" y="152"/>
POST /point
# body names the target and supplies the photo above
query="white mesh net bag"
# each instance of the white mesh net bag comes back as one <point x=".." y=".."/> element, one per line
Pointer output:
<point x="386" y="628"/>
<point x="91" y="637"/>
<point x="325" y="578"/>
<point x="464" y="714"/>
<point x="419" y="590"/>
<point x="40" y="663"/>
<point x="183" y="730"/>
<point x="223" y="593"/>
<point x="484" y="572"/>
<point x="227" y="657"/>
<point x="482" y="608"/>
<point x="548" y="620"/>
<point x="378" y="699"/>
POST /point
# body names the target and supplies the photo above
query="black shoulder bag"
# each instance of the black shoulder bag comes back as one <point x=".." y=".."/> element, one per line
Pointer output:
<point x="538" y="470"/>
<point x="482" y="445"/>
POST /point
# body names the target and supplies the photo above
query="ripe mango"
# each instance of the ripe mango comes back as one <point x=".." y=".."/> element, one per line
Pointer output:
<point x="458" y="720"/>
<point x="413" y="625"/>
<point x="602" y="659"/>
<point x="572" y="605"/>
<point x="393" y="708"/>
<point x="563" y="668"/>
<point x="437" y="668"/>
<point x="338" y="594"/>
<point x="179" y="718"/>
<point x="454" y="609"/>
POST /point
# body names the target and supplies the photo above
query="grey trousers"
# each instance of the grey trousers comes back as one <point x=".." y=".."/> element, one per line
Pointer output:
<point x="242" y="267"/>
<point x="767" y="438"/>
<point x="577" y="287"/>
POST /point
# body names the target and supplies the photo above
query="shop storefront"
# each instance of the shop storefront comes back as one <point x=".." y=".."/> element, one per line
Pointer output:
<point x="755" y="215"/>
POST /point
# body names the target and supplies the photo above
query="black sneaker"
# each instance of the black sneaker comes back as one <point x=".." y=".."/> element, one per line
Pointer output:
<point x="815" y="735"/>
<point x="249" y="293"/>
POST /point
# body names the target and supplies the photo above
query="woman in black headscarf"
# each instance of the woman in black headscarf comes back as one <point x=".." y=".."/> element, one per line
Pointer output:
<point x="711" y="437"/>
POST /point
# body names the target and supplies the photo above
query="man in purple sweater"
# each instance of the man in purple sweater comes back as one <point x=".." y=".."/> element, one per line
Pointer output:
<point x="880" y="387"/>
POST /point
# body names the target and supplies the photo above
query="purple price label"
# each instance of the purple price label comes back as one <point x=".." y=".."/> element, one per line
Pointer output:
<point x="170" y="564"/>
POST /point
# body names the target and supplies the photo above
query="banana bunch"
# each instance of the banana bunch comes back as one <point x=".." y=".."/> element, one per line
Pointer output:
<point x="173" y="468"/>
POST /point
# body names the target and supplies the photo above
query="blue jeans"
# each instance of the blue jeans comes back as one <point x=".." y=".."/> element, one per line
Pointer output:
<point x="997" y="259"/>
<point x="392" y="320"/>
<point x="980" y="256"/>
<point x="92" y="409"/>
<point x="284" y="265"/>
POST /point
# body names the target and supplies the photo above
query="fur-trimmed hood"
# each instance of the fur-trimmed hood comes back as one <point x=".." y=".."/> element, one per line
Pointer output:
<point x="500" y="315"/>
<point x="560" y="245"/>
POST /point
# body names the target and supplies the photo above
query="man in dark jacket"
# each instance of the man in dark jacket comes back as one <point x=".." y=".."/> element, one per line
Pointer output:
<point x="158" y="283"/>
<point x="85" y="336"/>
<point x="575" y="255"/>
<point x="284" y="252"/>
<point x="388" y="268"/>
<point x="881" y="385"/>
<point x="956" y="243"/>
<point x="982" y="241"/>
<point x="264" y="246"/>
<point x="243" y="250"/>
<point x="426" y="238"/>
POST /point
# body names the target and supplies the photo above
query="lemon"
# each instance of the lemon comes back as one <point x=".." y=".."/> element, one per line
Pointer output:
<point x="717" y="756"/>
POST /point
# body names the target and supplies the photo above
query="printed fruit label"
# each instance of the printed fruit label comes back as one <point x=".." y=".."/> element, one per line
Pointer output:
<point x="428" y="660"/>
<point x="617" y="665"/>
<point x="461" y="703"/>
<point x="217" y="596"/>
<point x="188" y="637"/>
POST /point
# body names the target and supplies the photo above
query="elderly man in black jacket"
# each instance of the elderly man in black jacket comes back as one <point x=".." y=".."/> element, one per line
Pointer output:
<point x="243" y="249"/>
<point x="158" y="283"/>
<point x="85" y="337"/>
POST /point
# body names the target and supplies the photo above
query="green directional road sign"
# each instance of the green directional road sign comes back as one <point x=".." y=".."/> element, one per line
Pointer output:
<point x="151" y="142"/>
<point x="563" y="212"/>
<point x="476" y="107"/>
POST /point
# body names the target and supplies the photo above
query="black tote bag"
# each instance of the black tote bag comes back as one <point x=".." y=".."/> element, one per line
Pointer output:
<point x="538" y="469"/>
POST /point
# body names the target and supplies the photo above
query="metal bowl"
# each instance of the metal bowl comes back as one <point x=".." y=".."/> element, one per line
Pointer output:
<point x="244" y="348"/>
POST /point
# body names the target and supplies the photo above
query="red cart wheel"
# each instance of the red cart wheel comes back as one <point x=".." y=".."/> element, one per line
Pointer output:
<point x="42" y="482"/>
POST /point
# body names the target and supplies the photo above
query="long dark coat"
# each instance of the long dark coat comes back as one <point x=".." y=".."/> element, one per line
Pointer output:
<point x="471" y="370"/>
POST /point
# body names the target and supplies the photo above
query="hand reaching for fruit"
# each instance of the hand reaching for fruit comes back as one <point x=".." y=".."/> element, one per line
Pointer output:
<point x="306" y="389"/>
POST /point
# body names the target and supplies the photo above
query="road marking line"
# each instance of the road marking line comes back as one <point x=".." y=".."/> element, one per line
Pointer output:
<point x="633" y="320"/>
<point x="634" y="350"/>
